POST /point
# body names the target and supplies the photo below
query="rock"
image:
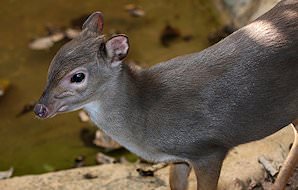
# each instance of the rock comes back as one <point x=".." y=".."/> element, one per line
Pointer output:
<point x="104" y="159"/>
<point x="268" y="166"/>
<point x="149" y="171"/>
<point x="89" y="176"/>
<point x="123" y="160"/>
<point x="240" y="169"/>
<point x="134" y="10"/>
<point x="4" y="85"/>
<point x="41" y="43"/>
<point x="102" y="140"/>
<point x="83" y="116"/>
<point x="72" y="33"/>
<point x="242" y="161"/>
<point x="145" y="173"/>
<point x="79" y="161"/>
<point x="263" y="6"/>
<point x="47" y="42"/>
<point x="104" y="177"/>
<point x="57" y="37"/>
<point x="253" y="185"/>
<point x="6" y="174"/>
<point x="237" y="184"/>
<point x="244" y="11"/>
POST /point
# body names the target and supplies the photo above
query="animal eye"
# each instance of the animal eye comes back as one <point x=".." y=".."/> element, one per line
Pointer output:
<point x="77" y="78"/>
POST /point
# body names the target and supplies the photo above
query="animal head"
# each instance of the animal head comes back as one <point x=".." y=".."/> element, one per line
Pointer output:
<point x="81" y="68"/>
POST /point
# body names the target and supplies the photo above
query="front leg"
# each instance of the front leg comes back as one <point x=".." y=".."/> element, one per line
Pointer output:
<point x="207" y="170"/>
<point x="179" y="173"/>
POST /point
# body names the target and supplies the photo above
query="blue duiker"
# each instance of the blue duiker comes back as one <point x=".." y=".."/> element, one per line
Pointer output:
<point x="191" y="110"/>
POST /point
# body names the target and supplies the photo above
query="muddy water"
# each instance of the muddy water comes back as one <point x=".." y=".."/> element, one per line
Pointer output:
<point x="35" y="146"/>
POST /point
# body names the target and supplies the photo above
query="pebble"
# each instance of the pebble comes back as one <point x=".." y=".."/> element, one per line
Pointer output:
<point x="41" y="43"/>
<point x="79" y="161"/>
<point x="84" y="116"/>
<point x="104" y="159"/>
<point x="48" y="41"/>
<point x="6" y="174"/>
<point x="134" y="10"/>
<point x="102" y="140"/>
<point x="72" y="33"/>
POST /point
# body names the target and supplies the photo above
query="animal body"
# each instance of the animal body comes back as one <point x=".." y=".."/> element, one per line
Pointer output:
<point x="190" y="110"/>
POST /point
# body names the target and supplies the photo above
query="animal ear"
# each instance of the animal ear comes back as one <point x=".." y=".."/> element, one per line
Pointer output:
<point x="94" y="23"/>
<point x="117" y="48"/>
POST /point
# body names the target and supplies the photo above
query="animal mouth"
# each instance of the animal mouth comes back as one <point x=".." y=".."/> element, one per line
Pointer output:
<point x="62" y="108"/>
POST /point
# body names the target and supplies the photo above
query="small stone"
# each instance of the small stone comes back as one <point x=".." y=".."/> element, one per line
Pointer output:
<point x="104" y="159"/>
<point x="102" y="140"/>
<point x="41" y="43"/>
<point x="268" y="166"/>
<point x="145" y="173"/>
<point x="89" y="176"/>
<point x="83" y="116"/>
<point x="254" y="185"/>
<point x="123" y="160"/>
<point x="47" y="41"/>
<point x="6" y="174"/>
<point x="79" y="161"/>
<point x="56" y="37"/>
<point x="237" y="184"/>
<point x="134" y="10"/>
<point x="150" y="170"/>
<point x="72" y="33"/>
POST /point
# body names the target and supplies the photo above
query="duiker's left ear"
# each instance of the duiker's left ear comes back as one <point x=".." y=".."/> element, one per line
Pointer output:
<point x="94" y="23"/>
<point x="117" y="48"/>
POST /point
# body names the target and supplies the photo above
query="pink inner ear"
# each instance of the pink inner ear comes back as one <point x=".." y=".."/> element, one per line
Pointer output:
<point x="117" y="47"/>
<point x="100" y="23"/>
<point x="119" y="43"/>
<point x="94" y="23"/>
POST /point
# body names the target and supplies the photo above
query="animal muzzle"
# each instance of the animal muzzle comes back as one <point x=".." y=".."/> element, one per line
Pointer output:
<point x="41" y="111"/>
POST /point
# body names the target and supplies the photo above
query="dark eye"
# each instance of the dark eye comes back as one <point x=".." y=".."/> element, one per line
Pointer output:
<point x="77" y="78"/>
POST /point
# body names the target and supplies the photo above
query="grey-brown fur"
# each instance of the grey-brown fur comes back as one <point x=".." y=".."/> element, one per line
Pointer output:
<point x="196" y="107"/>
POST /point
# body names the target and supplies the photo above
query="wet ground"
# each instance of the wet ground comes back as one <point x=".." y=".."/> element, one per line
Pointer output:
<point x="35" y="146"/>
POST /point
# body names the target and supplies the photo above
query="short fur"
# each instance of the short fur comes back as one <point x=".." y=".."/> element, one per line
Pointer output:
<point x="193" y="108"/>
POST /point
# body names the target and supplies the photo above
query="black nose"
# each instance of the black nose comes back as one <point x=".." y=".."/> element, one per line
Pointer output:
<point x="41" y="110"/>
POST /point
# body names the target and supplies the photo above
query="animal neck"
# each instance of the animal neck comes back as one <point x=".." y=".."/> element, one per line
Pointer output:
<point x="122" y="88"/>
<point x="118" y="104"/>
<point x="118" y="111"/>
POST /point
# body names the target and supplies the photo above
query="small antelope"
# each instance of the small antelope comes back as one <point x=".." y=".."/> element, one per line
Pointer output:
<point x="191" y="110"/>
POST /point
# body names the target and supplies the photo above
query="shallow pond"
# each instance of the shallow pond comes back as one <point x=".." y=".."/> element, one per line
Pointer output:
<point x="35" y="146"/>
